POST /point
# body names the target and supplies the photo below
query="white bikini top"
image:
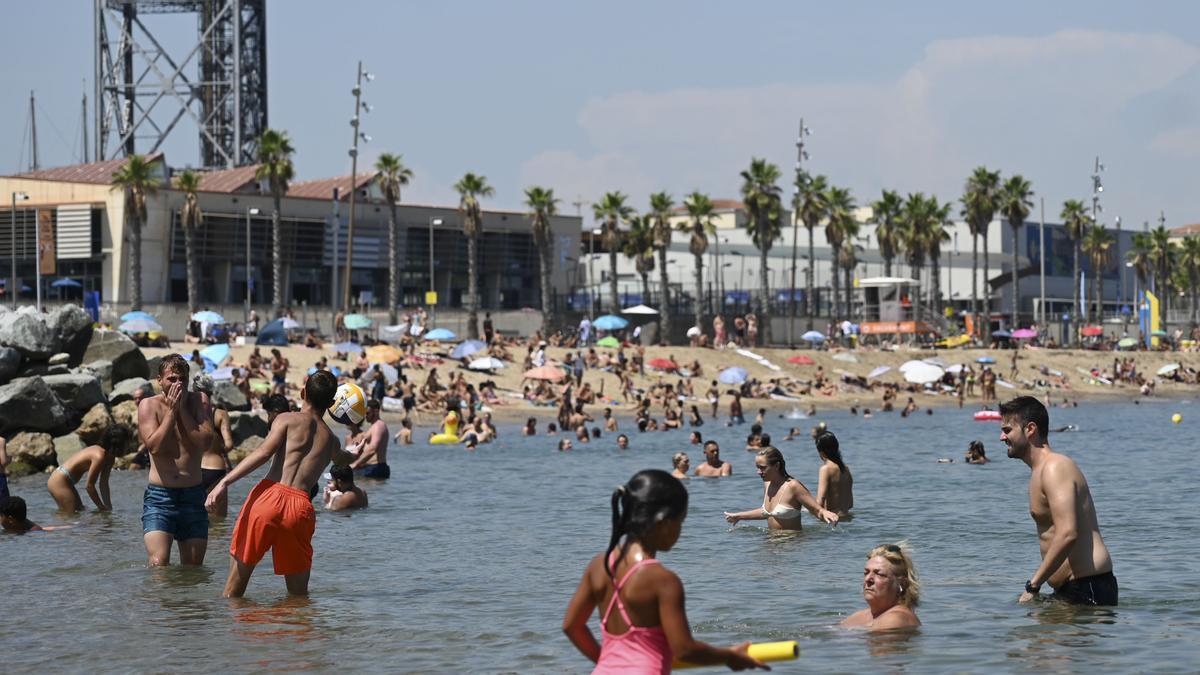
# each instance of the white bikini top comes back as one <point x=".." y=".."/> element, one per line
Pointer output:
<point x="780" y="512"/>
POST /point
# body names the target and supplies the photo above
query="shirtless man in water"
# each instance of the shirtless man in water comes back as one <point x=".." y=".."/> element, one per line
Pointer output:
<point x="278" y="514"/>
<point x="1075" y="561"/>
<point x="372" y="454"/>
<point x="176" y="426"/>
<point x="713" y="465"/>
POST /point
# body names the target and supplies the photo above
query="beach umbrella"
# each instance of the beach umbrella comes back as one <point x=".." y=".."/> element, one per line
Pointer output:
<point x="813" y="336"/>
<point x="609" y="341"/>
<point x="551" y="373"/>
<point x="289" y="323"/>
<point x="486" y="363"/>
<point x="1168" y="369"/>
<point x="383" y="354"/>
<point x="215" y="353"/>
<point x="956" y="368"/>
<point x="985" y="359"/>
<point x="66" y="283"/>
<point x="1001" y="334"/>
<point x="923" y="373"/>
<point x="389" y="373"/>
<point x="347" y="348"/>
<point x="845" y="356"/>
<point x="1159" y="333"/>
<point x="610" y="322"/>
<point x="139" y="326"/>
<point x="442" y="334"/>
<point x="639" y="309"/>
<point x="467" y="348"/>
<point x="876" y="372"/>
<point x="801" y="360"/>
<point x="694" y="331"/>
<point x="1024" y="334"/>
<point x="733" y="376"/>
<point x="208" y="316"/>
<point x="130" y="316"/>
<point x="663" y="364"/>
<point x="1127" y="343"/>
<point x="909" y="365"/>
<point x="356" y="321"/>
<point x="1091" y="331"/>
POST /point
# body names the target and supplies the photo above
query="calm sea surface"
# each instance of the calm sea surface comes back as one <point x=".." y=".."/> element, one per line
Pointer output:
<point x="465" y="561"/>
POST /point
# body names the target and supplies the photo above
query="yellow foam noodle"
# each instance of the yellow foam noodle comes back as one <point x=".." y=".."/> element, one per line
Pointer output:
<point x="763" y="651"/>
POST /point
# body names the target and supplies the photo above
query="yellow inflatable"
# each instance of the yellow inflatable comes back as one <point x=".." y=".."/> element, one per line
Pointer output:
<point x="449" y="436"/>
<point x="763" y="651"/>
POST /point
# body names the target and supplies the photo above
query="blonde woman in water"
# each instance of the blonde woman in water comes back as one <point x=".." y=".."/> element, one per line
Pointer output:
<point x="783" y="496"/>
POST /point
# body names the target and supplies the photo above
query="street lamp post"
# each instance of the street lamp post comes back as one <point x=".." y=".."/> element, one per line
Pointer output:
<point x="252" y="211"/>
<point x="1042" y="265"/>
<point x="592" y="272"/>
<point x="359" y="105"/>
<point x="432" y="284"/>
<point x="12" y="283"/>
<point x="801" y="155"/>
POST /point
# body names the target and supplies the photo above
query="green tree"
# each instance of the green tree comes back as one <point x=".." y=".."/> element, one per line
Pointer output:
<point x="136" y="179"/>
<point x="1189" y="262"/>
<point x="940" y="215"/>
<point x="841" y="209"/>
<point x="638" y="246"/>
<point x="471" y="189"/>
<point x="701" y="224"/>
<point x="392" y="176"/>
<point x="190" y="218"/>
<point x="1076" y="222"/>
<point x="761" y="195"/>
<point x="811" y="202"/>
<point x="660" y="210"/>
<point x="275" y="166"/>
<point x="610" y="211"/>
<point x="847" y="228"/>
<point x="916" y="219"/>
<point x="1139" y="255"/>
<point x="1162" y="254"/>
<point x="1097" y="243"/>
<point x="980" y="202"/>
<point x="1015" y="203"/>
<point x="542" y="206"/>
<point x="885" y="213"/>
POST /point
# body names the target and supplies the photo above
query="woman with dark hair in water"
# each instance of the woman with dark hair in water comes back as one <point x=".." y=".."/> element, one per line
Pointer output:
<point x="835" y="484"/>
<point x="783" y="496"/>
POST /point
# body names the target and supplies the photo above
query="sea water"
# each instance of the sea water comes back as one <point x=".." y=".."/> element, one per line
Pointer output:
<point x="465" y="561"/>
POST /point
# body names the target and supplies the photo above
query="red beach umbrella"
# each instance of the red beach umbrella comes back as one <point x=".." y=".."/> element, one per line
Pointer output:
<point x="802" y="360"/>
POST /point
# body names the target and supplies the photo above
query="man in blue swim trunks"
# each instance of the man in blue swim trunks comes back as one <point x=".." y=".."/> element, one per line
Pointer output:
<point x="176" y="426"/>
<point x="372" y="455"/>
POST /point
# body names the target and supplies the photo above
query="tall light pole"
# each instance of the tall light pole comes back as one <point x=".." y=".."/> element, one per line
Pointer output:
<point x="13" y="288"/>
<point x="1042" y="265"/>
<point x="432" y="284"/>
<point x="354" y="123"/>
<point x="592" y="272"/>
<point x="801" y="155"/>
<point x="1097" y="188"/>
<point x="252" y="211"/>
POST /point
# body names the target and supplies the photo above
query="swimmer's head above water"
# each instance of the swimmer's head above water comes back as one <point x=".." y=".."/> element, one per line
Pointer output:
<point x="650" y="508"/>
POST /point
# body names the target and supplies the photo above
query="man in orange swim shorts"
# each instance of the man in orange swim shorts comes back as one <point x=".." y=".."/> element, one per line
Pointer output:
<point x="278" y="514"/>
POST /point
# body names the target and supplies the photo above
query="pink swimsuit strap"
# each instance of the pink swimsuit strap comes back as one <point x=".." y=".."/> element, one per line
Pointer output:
<point x="616" y="596"/>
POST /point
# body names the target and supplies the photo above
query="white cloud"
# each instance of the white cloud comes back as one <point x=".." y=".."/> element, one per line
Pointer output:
<point x="1183" y="142"/>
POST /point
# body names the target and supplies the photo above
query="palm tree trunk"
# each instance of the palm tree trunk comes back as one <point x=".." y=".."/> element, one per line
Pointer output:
<point x="1075" y="309"/>
<point x="975" y="283"/>
<point x="849" y="304"/>
<point x="645" y="286"/>
<point x="664" y="288"/>
<point x="917" y="296"/>
<point x="764" y="298"/>
<point x="473" y="283"/>
<point x="1194" y="298"/>
<point x="986" y="326"/>
<point x="887" y="267"/>
<point x="277" y="262"/>
<point x="1016" y="285"/>
<point x="393" y="266"/>
<point x="614" y="303"/>
<point x="835" y="307"/>
<point x="545" y="256"/>
<point x="809" y="301"/>
<point x="189" y="242"/>
<point x="1096" y="289"/>
<point x="935" y="284"/>
<point x="135" y="261"/>
<point x="700" y="291"/>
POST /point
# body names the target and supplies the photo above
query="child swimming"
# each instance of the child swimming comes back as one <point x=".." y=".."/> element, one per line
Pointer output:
<point x="650" y="628"/>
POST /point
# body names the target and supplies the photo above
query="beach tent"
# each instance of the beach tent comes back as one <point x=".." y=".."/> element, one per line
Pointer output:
<point x="273" y="334"/>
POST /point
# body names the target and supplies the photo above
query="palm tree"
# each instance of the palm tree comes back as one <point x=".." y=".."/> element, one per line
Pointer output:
<point x="812" y="204"/>
<point x="392" y="176"/>
<point x="1139" y="255"/>
<point x="847" y="227"/>
<point x="935" y="236"/>
<point x="638" y="245"/>
<point x="660" y="210"/>
<point x="471" y="189"/>
<point x="190" y="217"/>
<point x="542" y="206"/>
<point x="275" y="166"/>
<point x="915" y="219"/>
<point x="1162" y="254"/>
<point x="701" y="223"/>
<point x="137" y="180"/>
<point x="885" y="213"/>
<point x="1189" y="262"/>
<point x="979" y="208"/>
<point x="1015" y="204"/>
<point x="841" y="205"/>
<point x="610" y="211"/>
<point x="1076" y="221"/>
<point x="1097" y="244"/>
<point x="760" y="194"/>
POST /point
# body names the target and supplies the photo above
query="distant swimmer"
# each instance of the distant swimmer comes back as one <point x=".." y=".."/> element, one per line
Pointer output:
<point x="794" y="432"/>
<point x="404" y="436"/>
<point x="650" y="628"/>
<point x="713" y="464"/>
<point x="622" y="442"/>
<point x="976" y="454"/>
<point x="1069" y="427"/>
<point x="564" y="444"/>
<point x="1075" y="561"/>
<point x="696" y="438"/>
<point x="783" y="496"/>
<point x="835" y="484"/>
<point x="97" y="462"/>
<point x="892" y="591"/>
<point x="341" y="494"/>
<point x="13" y="517"/>
<point x="681" y="463"/>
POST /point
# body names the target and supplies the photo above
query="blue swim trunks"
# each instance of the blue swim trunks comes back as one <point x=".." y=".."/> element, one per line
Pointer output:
<point x="179" y="512"/>
<point x="378" y="471"/>
<point x="3" y="486"/>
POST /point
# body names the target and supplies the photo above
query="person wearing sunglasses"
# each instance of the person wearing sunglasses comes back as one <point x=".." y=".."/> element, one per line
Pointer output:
<point x="892" y="591"/>
<point x="783" y="496"/>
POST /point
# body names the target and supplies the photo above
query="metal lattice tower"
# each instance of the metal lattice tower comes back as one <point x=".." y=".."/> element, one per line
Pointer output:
<point x="143" y="92"/>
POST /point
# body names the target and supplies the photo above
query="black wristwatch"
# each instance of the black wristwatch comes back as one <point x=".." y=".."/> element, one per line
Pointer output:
<point x="1030" y="588"/>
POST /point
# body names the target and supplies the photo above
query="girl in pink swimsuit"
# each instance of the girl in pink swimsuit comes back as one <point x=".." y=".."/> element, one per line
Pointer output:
<point x="650" y="628"/>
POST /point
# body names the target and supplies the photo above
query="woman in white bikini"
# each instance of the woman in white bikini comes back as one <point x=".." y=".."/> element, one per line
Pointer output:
<point x="783" y="496"/>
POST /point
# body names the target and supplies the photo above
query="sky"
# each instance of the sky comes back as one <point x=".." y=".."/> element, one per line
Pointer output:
<point x="591" y="97"/>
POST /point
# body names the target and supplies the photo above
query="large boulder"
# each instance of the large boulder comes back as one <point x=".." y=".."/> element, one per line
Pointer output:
<point x="126" y="390"/>
<point x="125" y="414"/>
<point x="26" y="330"/>
<point x="77" y="392"/>
<point x="127" y="360"/>
<point x="10" y="363"/>
<point x="95" y="424"/>
<point x="226" y="395"/>
<point x="243" y="425"/>
<point x="245" y="448"/>
<point x="28" y="403"/>
<point x="73" y="326"/>
<point x="66" y="446"/>
<point x="103" y="370"/>
<point x="152" y="364"/>
<point x="33" y="448"/>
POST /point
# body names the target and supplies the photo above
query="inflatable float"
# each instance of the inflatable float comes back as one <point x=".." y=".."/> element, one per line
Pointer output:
<point x="763" y="651"/>
<point x="450" y="436"/>
<point x="987" y="416"/>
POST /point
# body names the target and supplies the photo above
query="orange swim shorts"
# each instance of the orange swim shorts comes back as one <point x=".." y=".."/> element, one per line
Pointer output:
<point x="279" y="518"/>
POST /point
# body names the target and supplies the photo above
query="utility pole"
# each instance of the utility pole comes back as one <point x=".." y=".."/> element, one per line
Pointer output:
<point x="354" y="123"/>
<point x="1042" y="264"/>
<point x="801" y="155"/>
<point x="579" y="203"/>
<point x="33" y="165"/>
<point x="1097" y="188"/>
<point x="84" y="125"/>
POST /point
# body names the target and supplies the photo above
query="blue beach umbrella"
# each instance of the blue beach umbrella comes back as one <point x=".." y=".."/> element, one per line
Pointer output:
<point x="466" y="348"/>
<point x="215" y="353"/>
<point x="130" y="316"/>
<point x="348" y="348"/>
<point x="356" y="321"/>
<point x="813" y="336"/>
<point x="985" y="359"/>
<point x="1001" y="334"/>
<point x="66" y="283"/>
<point x="610" y="322"/>
<point x="440" y="334"/>
<point x="139" y="326"/>
<point x="208" y="316"/>
<point x="733" y="375"/>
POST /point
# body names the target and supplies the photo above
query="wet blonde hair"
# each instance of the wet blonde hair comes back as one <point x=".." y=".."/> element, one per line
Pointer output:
<point x="900" y="556"/>
<point x="678" y="458"/>
<point x="773" y="456"/>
